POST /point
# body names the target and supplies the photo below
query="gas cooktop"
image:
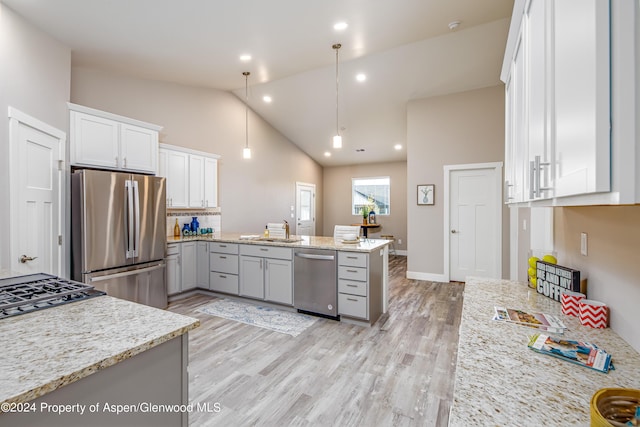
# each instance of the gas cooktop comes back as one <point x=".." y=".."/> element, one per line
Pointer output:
<point x="24" y="294"/>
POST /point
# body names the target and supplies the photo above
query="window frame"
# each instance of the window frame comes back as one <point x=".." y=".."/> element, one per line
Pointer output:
<point x="377" y="209"/>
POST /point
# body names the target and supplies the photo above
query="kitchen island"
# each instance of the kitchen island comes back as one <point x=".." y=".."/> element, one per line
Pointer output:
<point x="237" y="266"/>
<point x="94" y="356"/>
<point x="500" y="381"/>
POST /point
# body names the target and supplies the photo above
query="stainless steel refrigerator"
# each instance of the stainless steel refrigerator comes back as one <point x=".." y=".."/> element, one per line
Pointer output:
<point x="118" y="234"/>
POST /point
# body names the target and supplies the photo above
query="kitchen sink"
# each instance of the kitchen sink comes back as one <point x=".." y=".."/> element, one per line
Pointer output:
<point x="279" y="240"/>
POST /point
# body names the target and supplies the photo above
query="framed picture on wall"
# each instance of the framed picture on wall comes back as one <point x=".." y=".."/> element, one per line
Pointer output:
<point x="426" y="194"/>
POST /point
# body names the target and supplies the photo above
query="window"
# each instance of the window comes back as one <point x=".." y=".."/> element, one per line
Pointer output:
<point x="373" y="193"/>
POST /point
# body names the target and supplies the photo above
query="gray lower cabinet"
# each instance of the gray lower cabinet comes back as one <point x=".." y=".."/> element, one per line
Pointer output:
<point x="174" y="276"/>
<point x="223" y="265"/>
<point x="188" y="265"/>
<point x="266" y="273"/>
<point x="202" y="265"/>
<point x="360" y="285"/>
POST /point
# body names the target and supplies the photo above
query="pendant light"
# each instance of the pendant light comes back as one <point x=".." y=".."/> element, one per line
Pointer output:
<point x="246" y="151"/>
<point x="337" y="139"/>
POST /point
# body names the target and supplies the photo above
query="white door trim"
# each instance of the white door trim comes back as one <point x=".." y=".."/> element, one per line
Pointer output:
<point x="497" y="166"/>
<point x="17" y="117"/>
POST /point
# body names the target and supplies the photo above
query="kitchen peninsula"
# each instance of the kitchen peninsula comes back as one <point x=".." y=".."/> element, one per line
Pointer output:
<point x="101" y="351"/>
<point x="236" y="264"/>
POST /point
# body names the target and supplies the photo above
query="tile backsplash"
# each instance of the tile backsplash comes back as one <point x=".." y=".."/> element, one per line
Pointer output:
<point x="207" y="218"/>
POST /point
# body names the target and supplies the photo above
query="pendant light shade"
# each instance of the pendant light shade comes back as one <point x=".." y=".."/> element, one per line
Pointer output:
<point x="246" y="151"/>
<point x="337" y="139"/>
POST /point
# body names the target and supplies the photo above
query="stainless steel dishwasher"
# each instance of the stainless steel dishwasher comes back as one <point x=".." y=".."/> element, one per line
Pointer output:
<point x="315" y="286"/>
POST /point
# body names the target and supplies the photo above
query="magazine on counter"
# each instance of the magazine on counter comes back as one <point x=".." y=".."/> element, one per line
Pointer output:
<point x="579" y="352"/>
<point x="546" y="322"/>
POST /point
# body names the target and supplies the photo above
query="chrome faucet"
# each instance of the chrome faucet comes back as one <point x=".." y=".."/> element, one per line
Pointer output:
<point x="286" y="228"/>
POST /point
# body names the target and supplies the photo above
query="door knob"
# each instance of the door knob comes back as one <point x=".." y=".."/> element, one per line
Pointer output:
<point x="453" y="231"/>
<point x="25" y="258"/>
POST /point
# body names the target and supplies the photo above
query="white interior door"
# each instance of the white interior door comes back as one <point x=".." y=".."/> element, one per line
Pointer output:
<point x="474" y="222"/>
<point x="36" y="194"/>
<point x="305" y="209"/>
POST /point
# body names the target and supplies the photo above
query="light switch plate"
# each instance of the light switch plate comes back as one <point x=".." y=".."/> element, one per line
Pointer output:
<point x="583" y="244"/>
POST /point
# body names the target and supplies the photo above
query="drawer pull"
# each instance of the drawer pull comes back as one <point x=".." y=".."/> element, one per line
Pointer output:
<point x="264" y="249"/>
<point x="352" y="257"/>
<point x="223" y="257"/>
<point x="223" y="246"/>
<point x="352" y="271"/>
<point x="222" y="276"/>
<point x="352" y="286"/>
<point x="352" y="299"/>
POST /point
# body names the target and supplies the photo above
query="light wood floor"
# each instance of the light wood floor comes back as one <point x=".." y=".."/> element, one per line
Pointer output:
<point x="398" y="372"/>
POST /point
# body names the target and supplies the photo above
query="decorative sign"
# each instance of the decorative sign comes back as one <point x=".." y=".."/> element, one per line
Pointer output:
<point x="552" y="279"/>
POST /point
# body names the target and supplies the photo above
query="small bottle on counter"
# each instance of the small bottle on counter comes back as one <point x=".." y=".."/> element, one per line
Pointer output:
<point x="266" y="231"/>
<point x="176" y="229"/>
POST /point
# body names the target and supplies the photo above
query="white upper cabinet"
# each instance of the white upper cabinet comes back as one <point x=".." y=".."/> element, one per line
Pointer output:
<point x="570" y="73"/>
<point x="581" y="62"/>
<point x="174" y="166"/>
<point x="192" y="177"/>
<point x="104" y="140"/>
<point x="196" y="181"/>
<point x="210" y="182"/>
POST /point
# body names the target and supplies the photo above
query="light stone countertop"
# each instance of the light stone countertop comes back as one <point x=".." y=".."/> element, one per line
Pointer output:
<point x="316" y="242"/>
<point x="501" y="382"/>
<point x="47" y="349"/>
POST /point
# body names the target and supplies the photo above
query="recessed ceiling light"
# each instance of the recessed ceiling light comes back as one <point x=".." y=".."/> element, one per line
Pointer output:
<point x="339" y="26"/>
<point x="267" y="99"/>
<point x="361" y="77"/>
<point x="398" y="146"/>
<point x="245" y="57"/>
<point x="327" y="154"/>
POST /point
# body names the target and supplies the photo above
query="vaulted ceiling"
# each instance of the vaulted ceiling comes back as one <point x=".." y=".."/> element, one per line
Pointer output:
<point x="406" y="49"/>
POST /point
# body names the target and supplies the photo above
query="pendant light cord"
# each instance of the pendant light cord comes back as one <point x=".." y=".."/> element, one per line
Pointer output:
<point x="337" y="47"/>
<point x="246" y="108"/>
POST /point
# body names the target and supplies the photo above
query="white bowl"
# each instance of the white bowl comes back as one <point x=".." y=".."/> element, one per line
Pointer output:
<point x="350" y="236"/>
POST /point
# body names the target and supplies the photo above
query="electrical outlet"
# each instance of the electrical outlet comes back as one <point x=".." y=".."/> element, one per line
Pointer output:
<point x="399" y="241"/>
<point x="583" y="244"/>
<point x="524" y="225"/>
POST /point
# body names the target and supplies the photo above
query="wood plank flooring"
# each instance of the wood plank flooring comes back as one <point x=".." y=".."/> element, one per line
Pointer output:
<point x="399" y="372"/>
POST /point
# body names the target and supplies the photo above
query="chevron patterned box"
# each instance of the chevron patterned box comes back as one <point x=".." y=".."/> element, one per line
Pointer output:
<point x="594" y="314"/>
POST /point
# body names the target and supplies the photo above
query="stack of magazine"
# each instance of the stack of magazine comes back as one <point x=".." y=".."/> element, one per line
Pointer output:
<point x="579" y="352"/>
<point x="543" y="321"/>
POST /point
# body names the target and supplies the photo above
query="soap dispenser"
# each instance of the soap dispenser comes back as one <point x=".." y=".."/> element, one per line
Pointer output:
<point x="266" y="231"/>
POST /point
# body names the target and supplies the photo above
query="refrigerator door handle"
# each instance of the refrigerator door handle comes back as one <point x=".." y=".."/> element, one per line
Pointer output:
<point x="136" y="216"/>
<point x="125" y="273"/>
<point x="128" y="214"/>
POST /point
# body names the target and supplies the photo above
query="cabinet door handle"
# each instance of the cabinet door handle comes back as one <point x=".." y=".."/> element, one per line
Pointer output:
<point x="266" y="264"/>
<point x="124" y="162"/>
<point x="533" y="192"/>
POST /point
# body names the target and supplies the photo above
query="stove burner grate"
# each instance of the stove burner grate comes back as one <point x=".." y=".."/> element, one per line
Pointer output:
<point x="24" y="294"/>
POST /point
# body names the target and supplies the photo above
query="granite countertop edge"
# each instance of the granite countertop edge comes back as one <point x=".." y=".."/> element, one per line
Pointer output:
<point x="311" y="242"/>
<point x="155" y="327"/>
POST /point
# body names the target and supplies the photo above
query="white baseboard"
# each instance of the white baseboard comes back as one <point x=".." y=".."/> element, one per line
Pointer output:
<point x="417" y="275"/>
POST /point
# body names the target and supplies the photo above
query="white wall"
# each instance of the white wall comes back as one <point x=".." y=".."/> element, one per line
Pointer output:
<point x="461" y="128"/>
<point x="251" y="193"/>
<point x="35" y="74"/>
